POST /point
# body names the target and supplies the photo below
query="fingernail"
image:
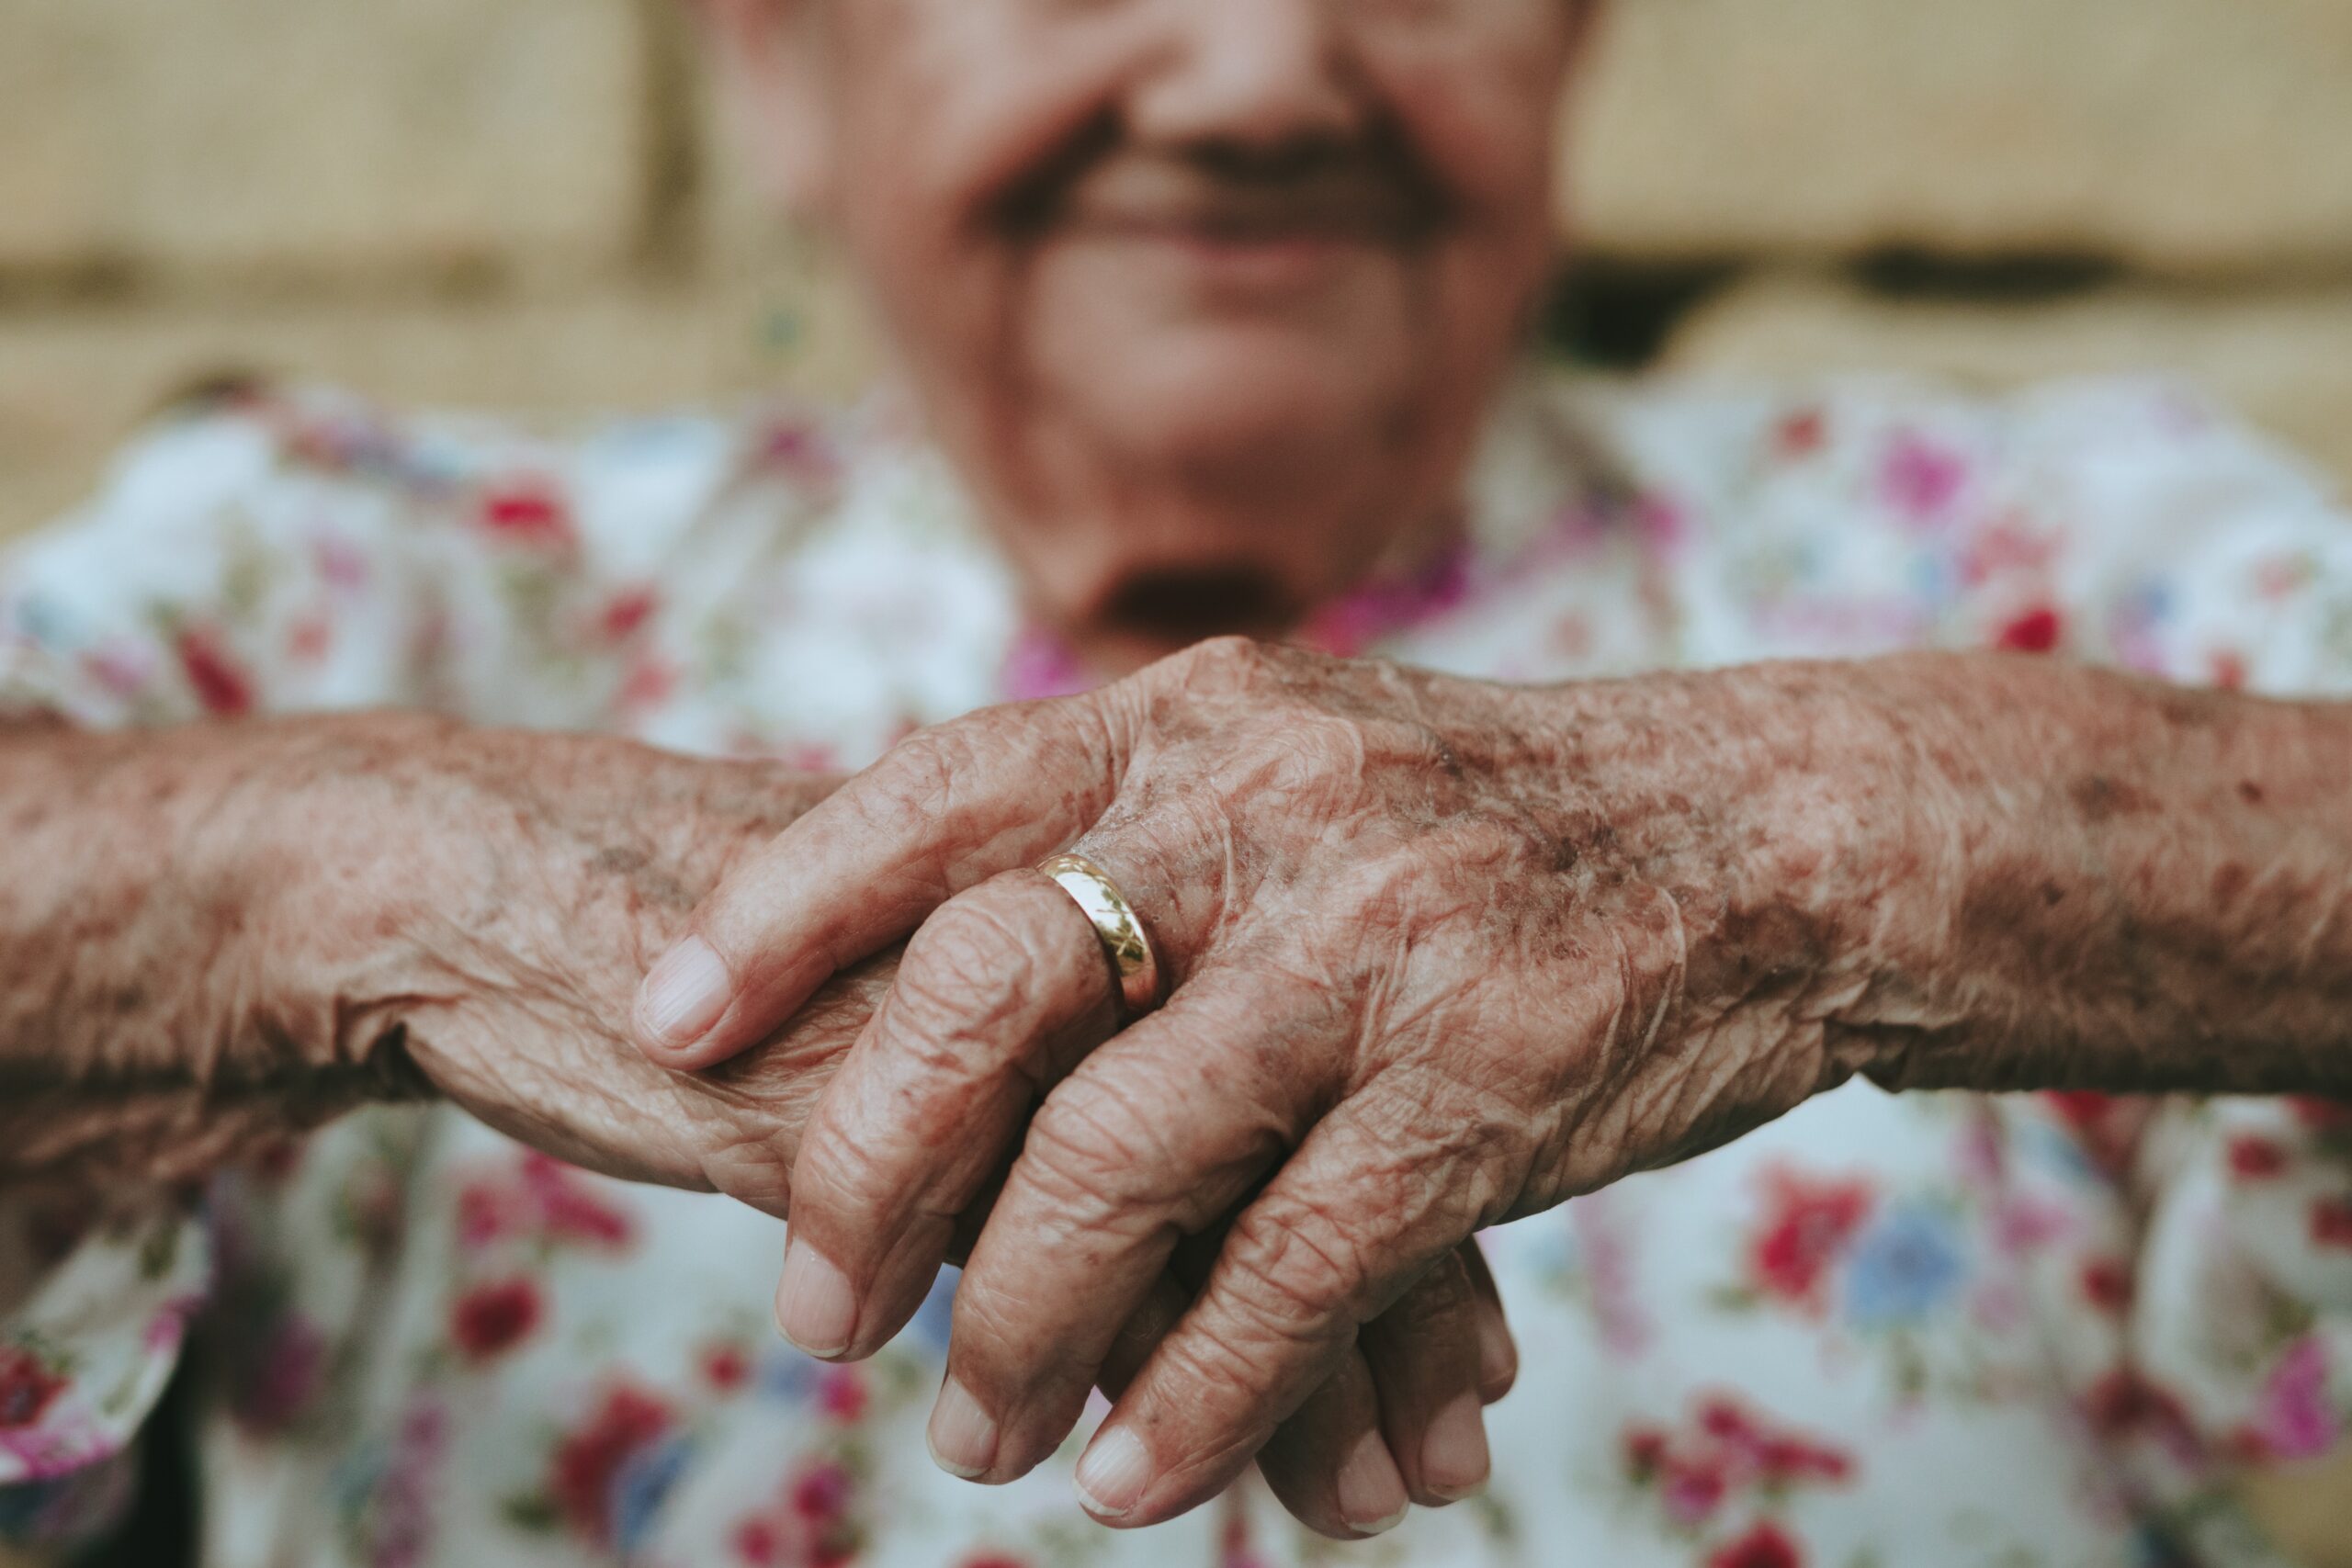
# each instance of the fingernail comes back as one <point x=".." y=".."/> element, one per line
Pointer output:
<point x="1112" y="1477"/>
<point x="684" y="995"/>
<point x="1372" y="1493"/>
<point x="963" y="1438"/>
<point x="1454" y="1461"/>
<point x="814" y="1305"/>
<point x="1498" y="1356"/>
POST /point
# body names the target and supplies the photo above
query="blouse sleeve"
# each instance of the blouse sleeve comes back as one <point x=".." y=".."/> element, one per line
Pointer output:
<point x="92" y="1310"/>
<point x="288" y="552"/>
<point x="220" y="571"/>
<point x="261" y="553"/>
<point x="2145" y="531"/>
<point x="278" y="552"/>
<point x="2130" y="524"/>
<point x="215" y="574"/>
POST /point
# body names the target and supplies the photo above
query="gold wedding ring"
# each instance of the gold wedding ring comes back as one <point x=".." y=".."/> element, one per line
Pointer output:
<point x="1124" y="940"/>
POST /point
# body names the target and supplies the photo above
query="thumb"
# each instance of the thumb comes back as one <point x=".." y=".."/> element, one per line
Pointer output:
<point x="944" y="810"/>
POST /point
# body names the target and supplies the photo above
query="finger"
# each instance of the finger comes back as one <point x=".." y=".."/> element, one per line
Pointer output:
<point x="1423" y="1354"/>
<point x="941" y="811"/>
<point x="1357" y="1212"/>
<point x="746" y="1118"/>
<point x="958" y="1426"/>
<point x="1106" y="1184"/>
<point x="1330" y="1465"/>
<point x="999" y="993"/>
<point x="1426" y="1360"/>
<point x="1497" y="1351"/>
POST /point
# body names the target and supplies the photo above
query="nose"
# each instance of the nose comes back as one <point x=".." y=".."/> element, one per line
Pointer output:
<point x="1246" y="73"/>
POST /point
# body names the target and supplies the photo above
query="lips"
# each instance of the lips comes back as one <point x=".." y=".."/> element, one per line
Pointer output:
<point x="1150" y="195"/>
<point x="1366" y="189"/>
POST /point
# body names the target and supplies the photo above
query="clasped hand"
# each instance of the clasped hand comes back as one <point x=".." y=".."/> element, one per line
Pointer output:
<point x="1438" y="953"/>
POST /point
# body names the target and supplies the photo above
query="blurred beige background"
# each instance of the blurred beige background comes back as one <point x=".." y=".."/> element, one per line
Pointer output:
<point x="530" y="204"/>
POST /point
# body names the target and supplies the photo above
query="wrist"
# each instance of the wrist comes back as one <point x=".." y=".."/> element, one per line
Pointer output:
<point x="1856" y="831"/>
<point x="477" y="888"/>
<point x="330" y="839"/>
<point x="1793" y="814"/>
<point x="164" y="1006"/>
<point x="1913" y="810"/>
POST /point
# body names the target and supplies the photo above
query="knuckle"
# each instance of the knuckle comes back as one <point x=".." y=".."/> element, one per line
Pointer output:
<point x="1296" y="1268"/>
<point x="930" y="1046"/>
<point x="839" y="1169"/>
<point x="1317" y="744"/>
<point x="987" y="1329"/>
<point x="914" y="782"/>
<point x="1437" y="1307"/>
<point x="1434" y="1151"/>
<point x="932" y="765"/>
<point x="1388" y="878"/>
<point x="978" y="983"/>
<point x="1224" y="1368"/>
<point x="1222" y="660"/>
<point x="967" y="954"/>
<point x="1286" y="765"/>
<point x="1093" y="1142"/>
<point x="1223" y="666"/>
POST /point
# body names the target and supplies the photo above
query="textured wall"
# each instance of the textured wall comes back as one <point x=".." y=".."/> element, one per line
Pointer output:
<point x="237" y="140"/>
<point x="2183" y="136"/>
<point x="1995" y="192"/>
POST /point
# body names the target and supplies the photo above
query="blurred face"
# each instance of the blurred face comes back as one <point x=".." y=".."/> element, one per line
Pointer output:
<point x="1205" y="298"/>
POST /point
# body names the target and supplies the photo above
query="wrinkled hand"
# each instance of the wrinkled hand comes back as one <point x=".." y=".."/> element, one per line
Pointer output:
<point x="526" y="878"/>
<point x="1441" y="953"/>
<point x="531" y="877"/>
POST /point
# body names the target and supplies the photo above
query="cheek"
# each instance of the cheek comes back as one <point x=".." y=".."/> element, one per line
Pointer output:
<point x="1484" y="114"/>
<point x="945" y="105"/>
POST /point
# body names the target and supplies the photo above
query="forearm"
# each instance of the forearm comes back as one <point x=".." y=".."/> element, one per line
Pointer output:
<point x="2120" y="885"/>
<point x="155" y="1011"/>
<point x="221" y="931"/>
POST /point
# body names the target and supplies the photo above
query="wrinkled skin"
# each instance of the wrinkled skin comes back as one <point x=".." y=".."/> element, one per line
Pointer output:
<point x="1205" y="300"/>
<point x="1441" y="953"/>
<point x="391" y="906"/>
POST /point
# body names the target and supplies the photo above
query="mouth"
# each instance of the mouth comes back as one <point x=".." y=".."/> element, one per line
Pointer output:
<point x="1311" y="197"/>
<point x="1342" y="210"/>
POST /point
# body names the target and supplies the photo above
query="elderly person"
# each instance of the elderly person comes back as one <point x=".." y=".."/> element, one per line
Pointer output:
<point x="1208" y="312"/>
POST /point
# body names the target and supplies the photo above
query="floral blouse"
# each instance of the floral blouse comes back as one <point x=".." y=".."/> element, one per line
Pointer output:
<point x="1883" y="1331"/>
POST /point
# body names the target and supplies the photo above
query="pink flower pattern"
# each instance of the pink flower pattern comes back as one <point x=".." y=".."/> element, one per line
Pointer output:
<point x="2033" y="1315"/>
